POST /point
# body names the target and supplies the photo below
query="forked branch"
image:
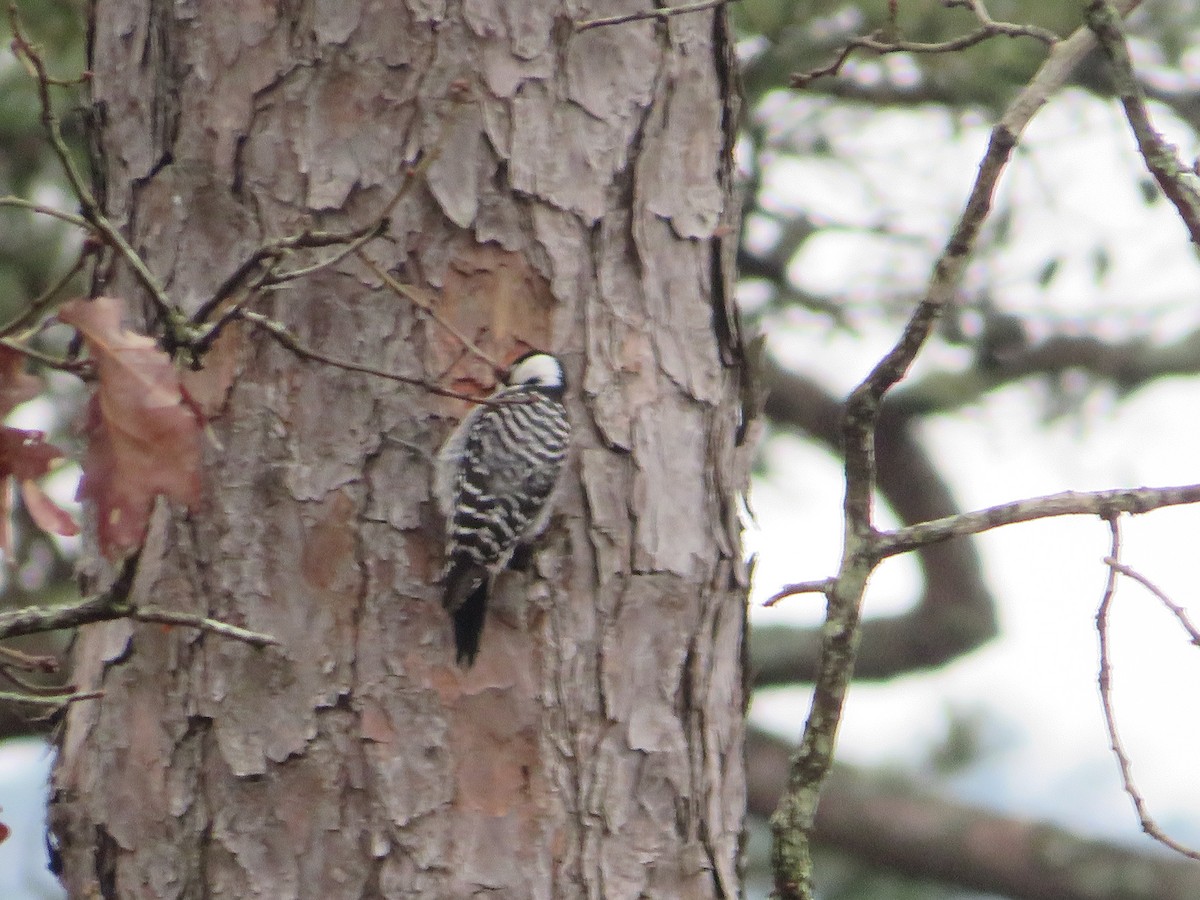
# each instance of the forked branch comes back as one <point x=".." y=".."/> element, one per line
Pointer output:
<point x="793" y="821"/>
<point x="1116" y="568"/>
<point x="888" y="40"/>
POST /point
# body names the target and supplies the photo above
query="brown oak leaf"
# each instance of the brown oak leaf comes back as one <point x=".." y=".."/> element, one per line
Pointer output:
<point x="144" y="436"/>
<point x="25" y="456"/>
<point x="16" y="385"/>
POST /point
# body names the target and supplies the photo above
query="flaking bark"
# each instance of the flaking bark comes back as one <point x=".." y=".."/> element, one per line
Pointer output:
<point x="578" y="203"/>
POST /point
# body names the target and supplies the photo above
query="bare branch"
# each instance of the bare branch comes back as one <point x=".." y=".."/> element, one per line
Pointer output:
<point x="1149" y="825"/>
<point x="90" y="209"/>
<point x="885" y="41"/>
<point x="412" y="295"/>
<point x="39" y="619"/>
<point x="289" y="340"/>
<point x="661" y="14"/>
<point x="69" y="218"/>
<point x="237" y="288"/>
<point x="202" y="623"/>
<point x="1178" y="183"/>
<point x="906" y="824"/>
<point x="820" y="586"/>
<point x="1178" y="611"/>
<point x="45" y="301"/>
<point x="81" y="367"/>
<point x="29" y="662"/>
<point x="1066" y="503"/>
<point x="954" y="612"/>
<point x="29" y="687"/>
<point x="54" y="700"/>
<point x="114" y="604"/>
<point x="792" y="823"/>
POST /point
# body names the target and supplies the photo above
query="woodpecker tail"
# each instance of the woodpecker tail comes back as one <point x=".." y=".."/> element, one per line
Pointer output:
<point x="468" y="625"/>
<point x="466" y="600"/>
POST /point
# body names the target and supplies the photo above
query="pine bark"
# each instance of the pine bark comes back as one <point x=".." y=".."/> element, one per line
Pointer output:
<point x="578" y="202"/>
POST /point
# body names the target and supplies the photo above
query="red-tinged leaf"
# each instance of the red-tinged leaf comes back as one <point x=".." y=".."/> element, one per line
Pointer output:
<point x="26" y="453"/>
<point x="47" y="514"/>
<point x="6" y="509"/>
<point x="16" y="385"/>
<point x="209" y="387"/>
<point x="143" y="437"/>
<point x="5" y="831"/>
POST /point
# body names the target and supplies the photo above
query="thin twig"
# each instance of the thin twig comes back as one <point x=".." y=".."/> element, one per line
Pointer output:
<point x="274" y="278"/>
<point x="111" y="604"/>
<point x="1066" y="503"/>
<point x="203" y="623"/>
<point x="264" y="259"/>
<point x="90" y="209"/>
<point x="53" y="700"/>
<point x="289" y="340"/>
<point x="69" y="218"/>
<point x="44" y="301"/>
<point x="793" y="821"/>
<point x="274" y="251"/>
<point x="10" y="673"/>
<point x="1162" y="160"/>
<point x="426" y="307"/>
<point x="80" y="367"/>
<point x="821" y="586"/>
<point x="231" y="304"/>
<point x="1104" y="678"/>
<point x="661" y="14"/>
<point x="1178" y="611"/>
<point x="29" y="662"/>
<point x="40" y="619"/>
<point x="882" y="42"/>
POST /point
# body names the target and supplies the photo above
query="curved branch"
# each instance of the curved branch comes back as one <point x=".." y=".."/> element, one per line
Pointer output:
<point x="1067" y="503"/>
<point x="792" y="821"/>
<point x="1104" y="678"/>
<point x="114" y="604"/>
<point x="1126" y="365"/>
<point x="1162" y="160"/>
<point x="955" y="613"/>
<point x="904" y="826"/>
<point x="881" y="43"/>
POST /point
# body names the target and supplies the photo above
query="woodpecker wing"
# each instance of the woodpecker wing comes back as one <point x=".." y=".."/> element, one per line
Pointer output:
<point x="509" y="465"/>
<point x="496" y="477"/>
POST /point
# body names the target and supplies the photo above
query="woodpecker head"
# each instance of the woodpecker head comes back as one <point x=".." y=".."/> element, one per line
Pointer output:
<point x="538" y="370"/>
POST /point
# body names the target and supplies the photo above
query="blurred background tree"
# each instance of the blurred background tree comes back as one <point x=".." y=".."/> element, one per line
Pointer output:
<point x="1076" y="333"/>
<point x="37" y="253"/>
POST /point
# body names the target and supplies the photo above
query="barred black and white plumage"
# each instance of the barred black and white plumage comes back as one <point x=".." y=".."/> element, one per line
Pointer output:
<point x="496" y="474"/>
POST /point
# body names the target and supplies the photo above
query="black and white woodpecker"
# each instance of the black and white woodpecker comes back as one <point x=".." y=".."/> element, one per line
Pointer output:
<point x="496" y="476"/>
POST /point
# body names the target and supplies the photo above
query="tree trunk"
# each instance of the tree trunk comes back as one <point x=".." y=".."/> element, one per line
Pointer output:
<point x="578" y="203"/>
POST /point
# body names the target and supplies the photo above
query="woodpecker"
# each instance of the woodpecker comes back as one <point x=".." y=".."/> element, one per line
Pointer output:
<point x="495" y="477"/>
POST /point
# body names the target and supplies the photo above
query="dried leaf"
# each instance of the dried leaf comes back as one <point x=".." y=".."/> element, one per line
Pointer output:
<point x="47" y="514"/>
<point x="6" y="509"/>
<point x="25" y="455"/>
<point x="16" y="385"/>
<point x="144" y="438"/>
<point x="209" y="387"/>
